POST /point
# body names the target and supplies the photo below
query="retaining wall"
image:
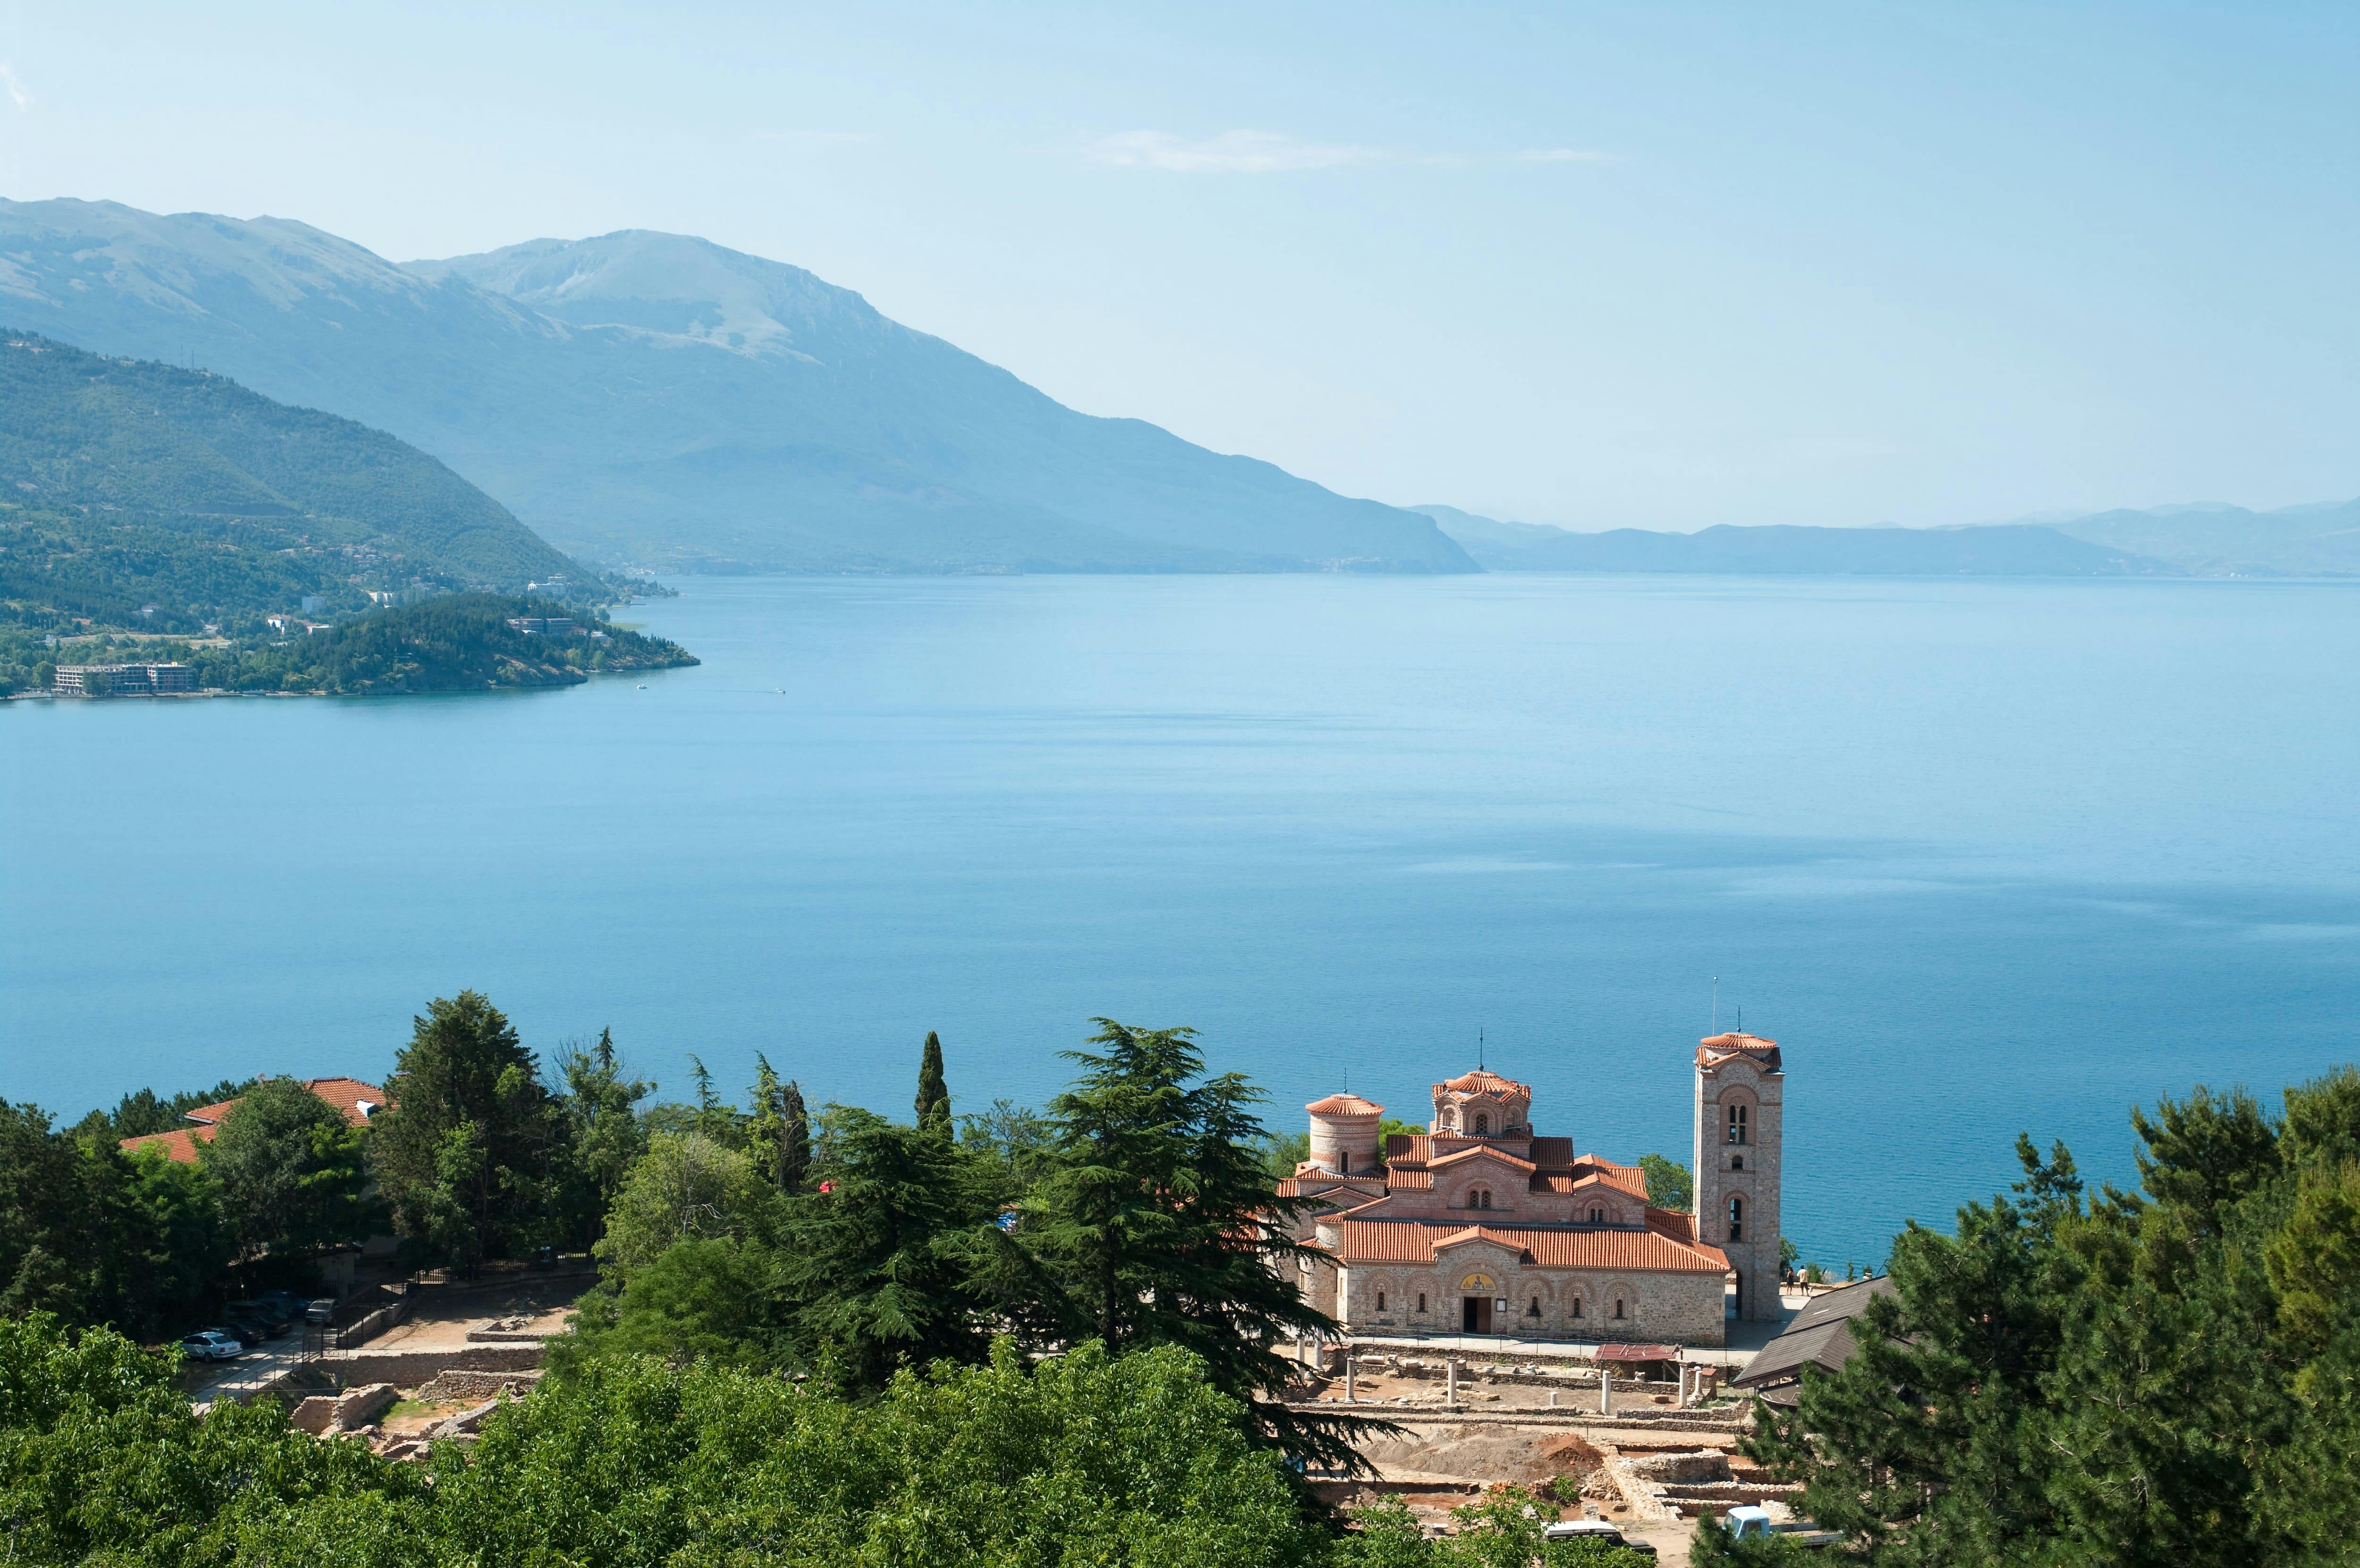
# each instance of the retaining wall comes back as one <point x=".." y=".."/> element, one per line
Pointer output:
<point x="414" y="1368"/>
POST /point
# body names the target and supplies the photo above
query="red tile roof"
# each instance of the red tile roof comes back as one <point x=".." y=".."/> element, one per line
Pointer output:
<point x="348" y="1095"/>
<point x="1344" y="1105"/>
<point x="1618" y="1251"/>
<point x="1480" y="1081"/>
<point x="1481" y="1151"/>
<point x="1721" y="1047"/>
<point x="180" y="1145"/>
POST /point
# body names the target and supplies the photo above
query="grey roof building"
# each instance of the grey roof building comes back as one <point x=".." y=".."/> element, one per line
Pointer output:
<point x="1820" y="1336"/>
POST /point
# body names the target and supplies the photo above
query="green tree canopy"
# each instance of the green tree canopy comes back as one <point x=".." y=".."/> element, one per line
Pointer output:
<point x="602" y="1132"/>
<point x="686" y="1186"/>
<point x="293" y="1176"/>
<point x="1158" y="1224"/>
<point x="464" y="1150"/>
<point x="2156" y="1377"/>
<point x="1670" y="1184"/>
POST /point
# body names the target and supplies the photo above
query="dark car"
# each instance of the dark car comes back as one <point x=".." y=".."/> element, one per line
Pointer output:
<point x="246" y="1333"/>
<point x="268" y="1313"/>
<point x="251" y="1327"/>
<point x="321" y="1309"/>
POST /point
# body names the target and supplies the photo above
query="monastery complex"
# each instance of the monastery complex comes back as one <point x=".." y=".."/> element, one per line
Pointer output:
<point x="1479" y="1226"/>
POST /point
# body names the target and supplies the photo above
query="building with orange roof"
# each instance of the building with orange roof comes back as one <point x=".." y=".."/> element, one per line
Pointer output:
<point x="353" y="1098"/>
<point x="1479" y="1226"/>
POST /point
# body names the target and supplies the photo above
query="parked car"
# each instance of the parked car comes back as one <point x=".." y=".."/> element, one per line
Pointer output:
<point x="1605" y="1530"/>
<point x="212" y="1345"/>
<point x="249" y="1332"/>
<point x="270" y="1314"/>
<point x="322" y="1310"/>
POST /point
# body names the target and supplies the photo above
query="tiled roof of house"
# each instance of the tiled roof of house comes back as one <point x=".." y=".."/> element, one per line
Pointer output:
<point x="1344" y="1105"/>
<point x="1408" y="1147"/>
<point x="349" y="1095"/>
<point x="179" y="1146"/>
<point x="1621" y="1251"/>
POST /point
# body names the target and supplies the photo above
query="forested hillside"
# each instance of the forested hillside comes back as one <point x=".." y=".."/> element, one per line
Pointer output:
<point x="189" y="466"/>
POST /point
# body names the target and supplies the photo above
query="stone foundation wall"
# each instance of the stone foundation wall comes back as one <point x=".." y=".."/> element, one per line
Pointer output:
<point x="414" y="1368"/>
<point x="463" y="1383"/>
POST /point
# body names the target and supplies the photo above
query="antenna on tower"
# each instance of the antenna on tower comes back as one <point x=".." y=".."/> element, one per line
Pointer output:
<point x="1479" y="1047"/>
<point x="1739" y="1025"/>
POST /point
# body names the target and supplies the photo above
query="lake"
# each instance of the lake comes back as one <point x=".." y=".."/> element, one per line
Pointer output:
<point x="1982" y="856"/>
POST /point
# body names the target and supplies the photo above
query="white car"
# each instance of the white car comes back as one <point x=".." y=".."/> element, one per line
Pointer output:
<point x="212" y="1345"/>
<point x="1594" y="1529"/>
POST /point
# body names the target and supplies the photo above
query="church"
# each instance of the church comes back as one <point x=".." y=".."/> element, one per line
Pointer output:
<point x="1479" y="1226"/>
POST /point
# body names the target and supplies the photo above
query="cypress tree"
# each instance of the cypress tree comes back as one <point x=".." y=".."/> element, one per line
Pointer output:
<point x="794" y="1145"/>
<point x="766" y="1134"/>
<point x="933" y="1094"/>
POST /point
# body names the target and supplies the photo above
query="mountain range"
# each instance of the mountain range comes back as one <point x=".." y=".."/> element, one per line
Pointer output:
<point x="657" y="400"/>
<point x="2215" y="541"/>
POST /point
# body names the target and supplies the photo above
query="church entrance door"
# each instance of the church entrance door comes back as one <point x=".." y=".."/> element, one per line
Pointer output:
<point x="1475" y="1314"/>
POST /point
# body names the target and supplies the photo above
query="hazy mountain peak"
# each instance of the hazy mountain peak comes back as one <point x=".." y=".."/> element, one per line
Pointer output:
<point x="669" y="285"/>
<point x="171" y="259"/>
<point x="566" y="376"/>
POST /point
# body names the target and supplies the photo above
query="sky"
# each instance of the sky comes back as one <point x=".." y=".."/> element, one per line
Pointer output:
<point x="1659" y="265"/>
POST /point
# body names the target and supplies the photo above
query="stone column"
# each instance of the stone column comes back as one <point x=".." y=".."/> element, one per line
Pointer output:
<point x="1451" y="1380"/>
<point x="1352" y="1373"/>
<point x="1605" y="1389"/>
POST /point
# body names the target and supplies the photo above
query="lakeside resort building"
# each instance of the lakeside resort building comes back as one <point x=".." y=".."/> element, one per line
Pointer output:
<point x="1479" y="1226"/>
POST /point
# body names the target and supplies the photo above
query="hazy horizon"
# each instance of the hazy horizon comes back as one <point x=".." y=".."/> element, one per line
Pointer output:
<point x="1841" y="265"/>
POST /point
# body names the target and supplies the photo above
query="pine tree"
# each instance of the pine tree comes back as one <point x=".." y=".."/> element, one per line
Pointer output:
<point x="933" y="1094"/>
<point x="464" y="1149"/>
<point x="1159" y="1223"/>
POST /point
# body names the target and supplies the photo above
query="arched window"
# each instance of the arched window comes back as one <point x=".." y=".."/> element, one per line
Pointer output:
<point x="1737" y="1219"/>
<point x="1421" y="1300"/>
<point x="1618" y="1307"/>
<point x="1576" y="1306"/>
<point x="1381" y="1301"/>
<point x="1597" y="1216"/>
<point x="1480" y="1198"/>
<point x="1482" y="1127"/>
<point x="1737" y="1162"/>
<point x="1535" y="1310"/>
<point x="1737" y="1124"/>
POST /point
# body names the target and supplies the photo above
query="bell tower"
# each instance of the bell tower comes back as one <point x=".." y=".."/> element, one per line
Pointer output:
<point x="1740" y="1096"/>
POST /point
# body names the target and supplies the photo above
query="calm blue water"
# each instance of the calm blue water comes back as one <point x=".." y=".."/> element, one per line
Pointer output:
<point x="1982" y="856"/>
